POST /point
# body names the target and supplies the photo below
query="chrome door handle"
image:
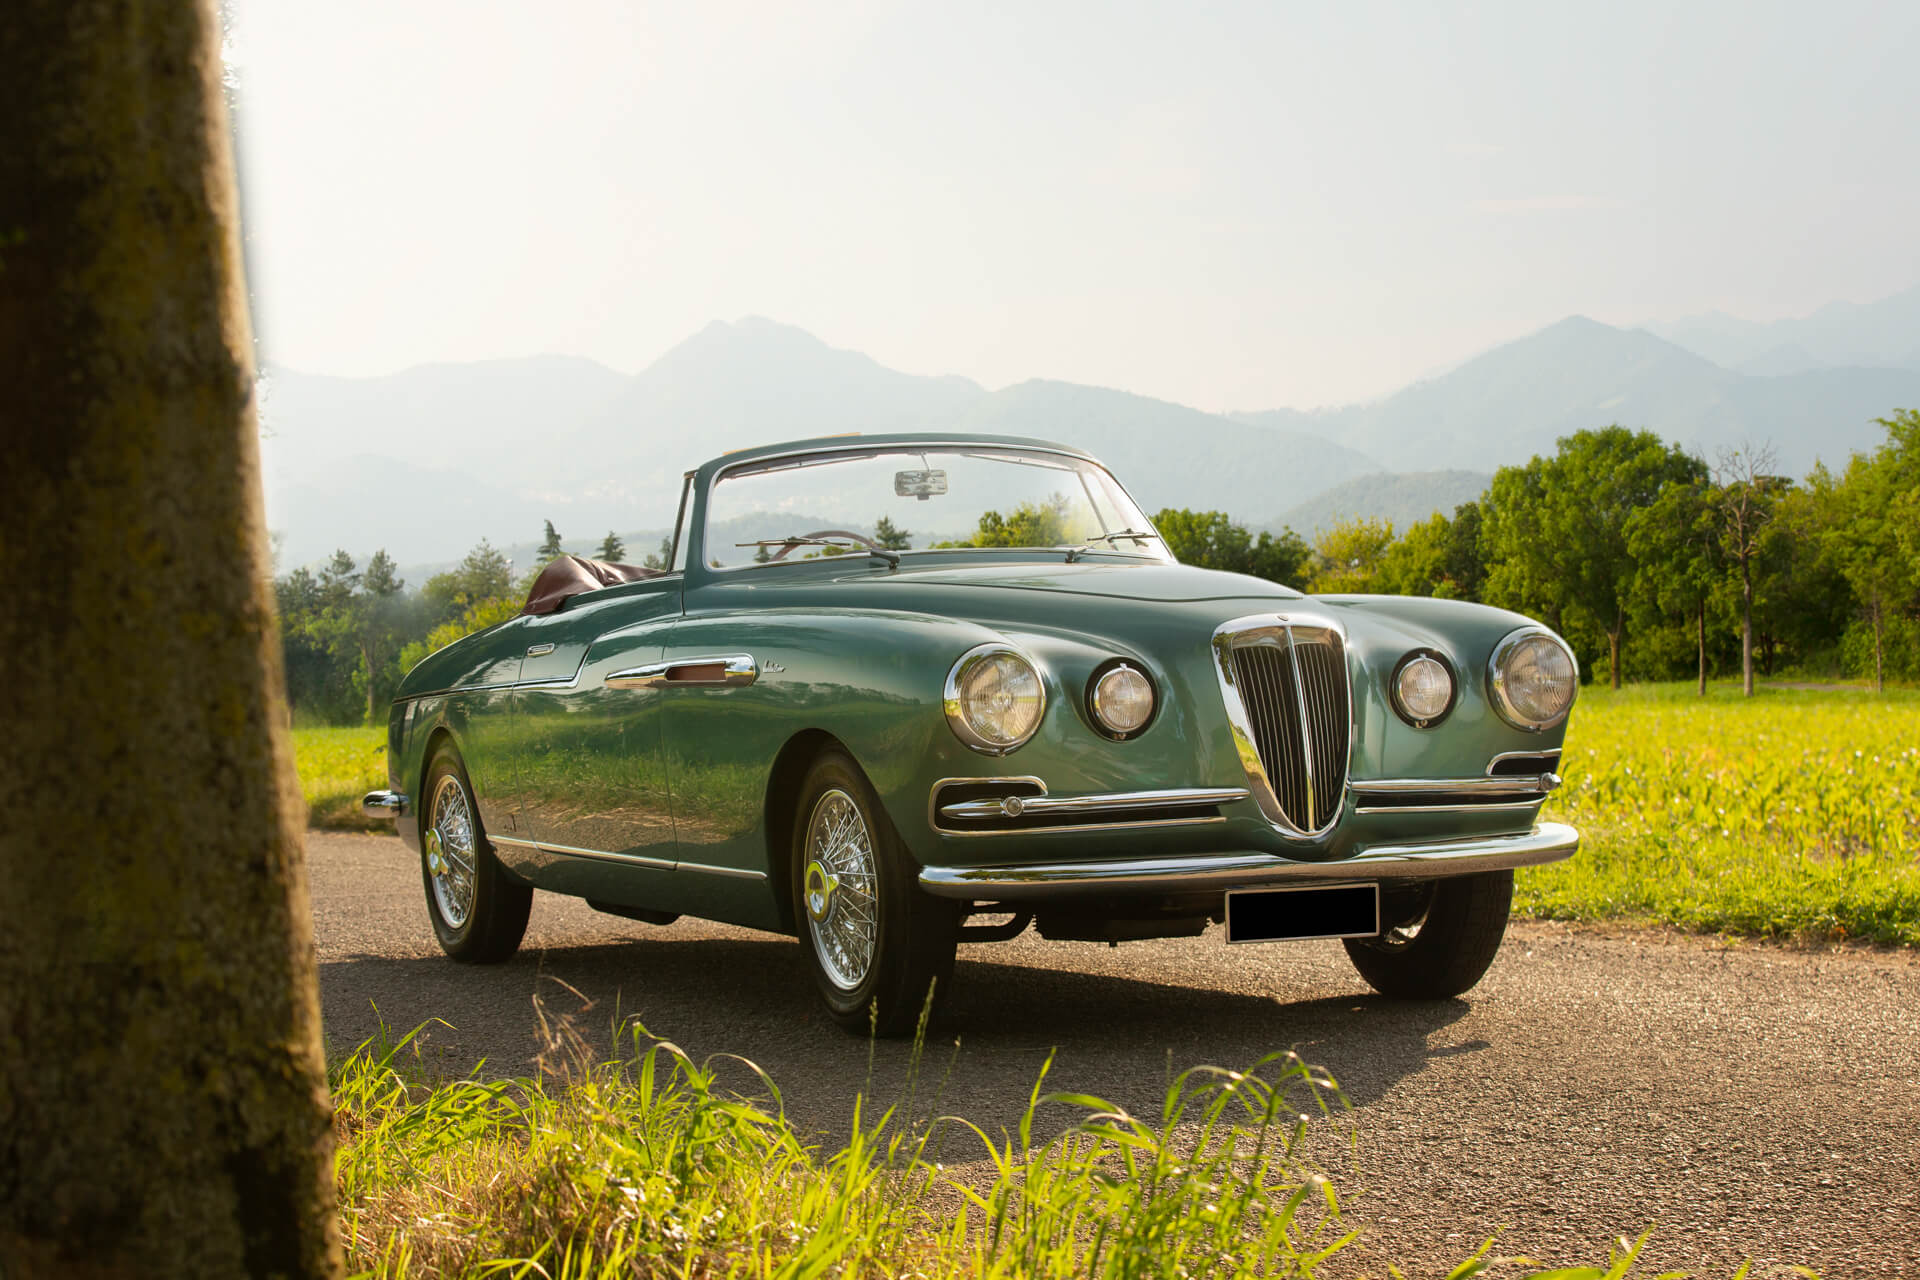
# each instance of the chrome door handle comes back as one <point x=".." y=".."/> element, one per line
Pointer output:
<point x="539" y="650"/>
<point x="726" y="671"/>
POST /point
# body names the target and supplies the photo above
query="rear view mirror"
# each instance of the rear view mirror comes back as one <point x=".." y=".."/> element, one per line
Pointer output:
<point x="919" y="484"/>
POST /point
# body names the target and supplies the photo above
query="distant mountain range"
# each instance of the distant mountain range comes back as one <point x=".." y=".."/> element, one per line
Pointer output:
<point x="427" y="461"/>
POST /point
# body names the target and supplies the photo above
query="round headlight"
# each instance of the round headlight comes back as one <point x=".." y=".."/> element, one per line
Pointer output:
<point x="994" y="699"/>
<point x="1534" y="679"/>
<point x="1122" y="700"/>
<point x="1423" y="689"/>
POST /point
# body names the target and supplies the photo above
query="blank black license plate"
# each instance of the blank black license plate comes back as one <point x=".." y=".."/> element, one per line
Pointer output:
<point x="1310" y="911"/>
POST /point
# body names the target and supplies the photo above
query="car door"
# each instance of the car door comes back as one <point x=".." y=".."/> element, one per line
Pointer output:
<point x="593" y="799"/>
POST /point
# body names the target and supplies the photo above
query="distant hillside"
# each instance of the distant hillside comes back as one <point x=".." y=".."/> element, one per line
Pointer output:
<point x="428" y="461"/>
<point x="1406" y="498"/>
<point x="1883" y="334"/>
<point x="1514" y="401"/>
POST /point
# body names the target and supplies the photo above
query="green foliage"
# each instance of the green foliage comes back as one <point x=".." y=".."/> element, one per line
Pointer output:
<point x="1031" y="525"/>
<point x="483" y="575"/>
<point x="611" y="548"/>
<point x="1211" y="540"/>
<point x="647" y="1166"/>
<point x="550" y="548"/>
<point x="1351" y="555"/>
<point x="889" y="536"/>
<point x="663" y="558"/>
<point x="1555" y="529"/>
<point x="1786" y="815"/>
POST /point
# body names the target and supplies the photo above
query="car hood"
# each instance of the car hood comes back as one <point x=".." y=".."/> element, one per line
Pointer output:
<point x="1149" y="581"/>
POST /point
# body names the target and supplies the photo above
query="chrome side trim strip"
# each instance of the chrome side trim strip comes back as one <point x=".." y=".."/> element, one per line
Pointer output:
<point x="1510" y="785"/>
<point x="1108" y="802"/>
<point x="1496" y="806"/>
<point x="384" y="804"/>
<point x="737" y="873"/>
<point x="601" y="855"/>
<point x="1509" y="755"/>
<point x="736" y="670"/>
<point x="1547" y="842"/>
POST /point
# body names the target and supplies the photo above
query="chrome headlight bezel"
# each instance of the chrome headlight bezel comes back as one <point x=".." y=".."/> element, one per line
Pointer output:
<point x="1453" y="687"/>
<point x="1498" y="678"/>
<point x="963" y="729"/>
<point x="1095" y="684"/>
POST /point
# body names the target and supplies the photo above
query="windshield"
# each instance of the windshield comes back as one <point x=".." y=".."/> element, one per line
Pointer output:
<point x="907" y="499"/>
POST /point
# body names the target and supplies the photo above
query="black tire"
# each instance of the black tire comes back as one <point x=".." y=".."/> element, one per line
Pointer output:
<point x="916" y="933"/>
<point x="496" y="916"/>
<point x="1439" y="939"/>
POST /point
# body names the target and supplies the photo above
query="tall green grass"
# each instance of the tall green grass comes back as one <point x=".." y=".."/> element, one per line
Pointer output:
<point x="648" y="1167"/>
<point x="1792" y="814"/>
<point x="337" y="767"/>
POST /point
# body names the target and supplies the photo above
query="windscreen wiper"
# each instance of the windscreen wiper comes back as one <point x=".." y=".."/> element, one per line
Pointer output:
<point x="1135" y="535"/>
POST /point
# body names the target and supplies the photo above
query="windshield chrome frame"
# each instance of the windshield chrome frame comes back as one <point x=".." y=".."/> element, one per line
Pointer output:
<point x="852" y="447"/>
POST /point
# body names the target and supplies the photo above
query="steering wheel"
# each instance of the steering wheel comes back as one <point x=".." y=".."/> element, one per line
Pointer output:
<point x="860" y="538"/>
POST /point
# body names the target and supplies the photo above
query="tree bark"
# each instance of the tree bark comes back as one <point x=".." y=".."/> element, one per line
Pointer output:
<point x="1614" y="639"/>
<point x="1746" y="627"/>
<point x="1879" y="676"/>
<point x="1701" y="613"/>
<point x="163" y="1107"/>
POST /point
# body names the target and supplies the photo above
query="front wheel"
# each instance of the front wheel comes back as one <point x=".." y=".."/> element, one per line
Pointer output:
<point x="1440" y="936"/>
<point x="478" y="915"/>
<point x="877" y="947"/>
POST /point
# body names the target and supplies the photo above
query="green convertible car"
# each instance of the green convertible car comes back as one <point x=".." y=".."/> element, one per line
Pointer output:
<point x="896" y="693"/>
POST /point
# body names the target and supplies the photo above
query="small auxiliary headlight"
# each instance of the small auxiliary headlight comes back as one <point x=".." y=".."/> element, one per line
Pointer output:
<point x="1422" y="689"/>
<point x="994" y="699"/>
<point x="1533" y="679"/>
<point x="1121" y="700"/>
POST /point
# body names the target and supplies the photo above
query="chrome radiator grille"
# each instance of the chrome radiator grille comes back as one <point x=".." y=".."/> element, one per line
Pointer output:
<point x="1285" y="685"/>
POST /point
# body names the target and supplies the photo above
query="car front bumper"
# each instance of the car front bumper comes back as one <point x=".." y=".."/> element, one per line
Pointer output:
<point x="1427" y="860"/>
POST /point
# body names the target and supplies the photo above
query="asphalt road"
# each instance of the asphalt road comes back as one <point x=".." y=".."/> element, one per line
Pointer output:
<point x="1749" y="1101"/>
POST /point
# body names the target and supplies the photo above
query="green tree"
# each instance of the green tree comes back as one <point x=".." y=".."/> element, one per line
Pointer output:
<point x="1870" y="541"/>
<point x="1031" y="525"/>
<point x="1555" y="529"/>
<point x="1747" y="501"/>
<point x="892" y="538"/>
<point x="1349" y="556"/>
<point x="482" y="575"/>
<point x="663" y="558"/>
<point x="1675" y="545"/>
<point x="1211" y="540"/>
<point x="550" y="548"/>
<point x="163" y="1104"/>
<point x="611" y="548"/>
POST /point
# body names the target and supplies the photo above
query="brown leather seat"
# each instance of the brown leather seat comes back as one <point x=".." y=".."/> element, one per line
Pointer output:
<point x="568" y="576"/>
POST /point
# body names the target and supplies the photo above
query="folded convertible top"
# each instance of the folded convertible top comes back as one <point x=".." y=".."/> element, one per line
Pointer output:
<point x="570" y="575"/>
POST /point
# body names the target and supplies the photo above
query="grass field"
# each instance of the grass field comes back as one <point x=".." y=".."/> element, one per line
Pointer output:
<point x="1795" y="814"/>
<point x="1792" y="814"/>
<point x="337" y="767"/>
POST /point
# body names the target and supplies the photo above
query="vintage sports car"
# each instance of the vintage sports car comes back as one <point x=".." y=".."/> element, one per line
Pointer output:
<point x="896" y="693"/>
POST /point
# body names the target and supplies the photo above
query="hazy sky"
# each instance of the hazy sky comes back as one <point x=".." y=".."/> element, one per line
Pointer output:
<point x="1233" y="206"/>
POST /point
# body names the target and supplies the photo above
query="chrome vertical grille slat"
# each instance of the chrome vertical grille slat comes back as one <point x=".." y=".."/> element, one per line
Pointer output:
<point x="1285" y="685"/>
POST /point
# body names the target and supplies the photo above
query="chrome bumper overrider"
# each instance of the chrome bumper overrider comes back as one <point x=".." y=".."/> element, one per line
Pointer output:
<point x="383" y="804"/>
<point x="1547" y="842"/>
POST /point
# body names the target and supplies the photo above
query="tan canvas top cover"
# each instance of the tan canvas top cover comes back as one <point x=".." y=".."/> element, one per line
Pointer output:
<point x="570" y="575"/>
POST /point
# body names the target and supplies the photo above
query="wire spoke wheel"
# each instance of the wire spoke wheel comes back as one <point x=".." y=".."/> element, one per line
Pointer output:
<point x="450" y="849"/>
<point x="841" y="890"/>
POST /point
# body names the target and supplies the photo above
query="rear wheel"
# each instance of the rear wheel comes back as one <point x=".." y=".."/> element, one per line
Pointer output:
<point x="874" y="943"/>
<point x="1439" y="939"/>
<point x="478" y="915"/>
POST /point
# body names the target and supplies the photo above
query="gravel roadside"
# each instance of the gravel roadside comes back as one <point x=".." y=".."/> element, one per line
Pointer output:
<point x="1749" y="1101"/>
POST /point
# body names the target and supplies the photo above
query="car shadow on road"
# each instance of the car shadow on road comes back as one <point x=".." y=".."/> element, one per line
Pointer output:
<point x="1121" y="1038"/>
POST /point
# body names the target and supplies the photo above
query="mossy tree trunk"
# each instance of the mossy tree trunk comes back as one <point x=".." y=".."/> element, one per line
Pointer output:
<point x="163" y="1106"/>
